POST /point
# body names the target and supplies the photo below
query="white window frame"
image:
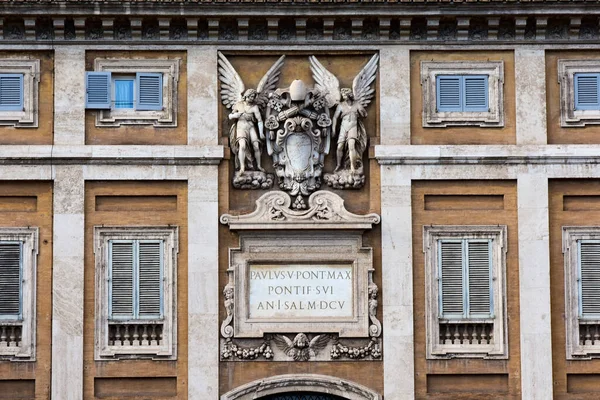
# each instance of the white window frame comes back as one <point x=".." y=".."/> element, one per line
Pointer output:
<point x="169" y="235"/>
<point x="571" y="236"/>
<point x="28" y="237"/>
<point x="167" y="117"/>
<point x="431" y="236"/>
<point x="30" y="69"/>
<point x="569" y="116"/>
<point x="493" y="118"/>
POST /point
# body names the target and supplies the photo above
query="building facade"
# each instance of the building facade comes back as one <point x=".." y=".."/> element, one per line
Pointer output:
<point x="243" y="200"/>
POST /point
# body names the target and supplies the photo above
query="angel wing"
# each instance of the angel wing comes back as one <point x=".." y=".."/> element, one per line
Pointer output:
<point x="318" y="343"/>
<point x="268" y="83"/>
<point x="327" y="84"/>
<point x="285" y="344"/>
<point x="232" y="85"/>
<point x="361" y="86"/>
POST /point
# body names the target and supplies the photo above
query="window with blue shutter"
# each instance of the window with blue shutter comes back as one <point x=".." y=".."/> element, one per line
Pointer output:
<point x="589" y="278"/>
<point x="98" y="90"/>
<point x="11" y="92"/>
<point x="460" y="93"/>
<point x="465" y="282"/>
<point x="136" y="279"/>
<point x="148" y="91"/>
<point x="11" y="278"/>
<point x="587" y="89"/>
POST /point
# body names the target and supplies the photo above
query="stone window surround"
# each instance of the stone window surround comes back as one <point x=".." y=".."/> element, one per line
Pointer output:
<point x="169" y="234"/>
<point x="431" y="235"/>
<point x="571" y="234"/>
<point x="29" y="237"/>
<point x="28" y="118"/>
<point x="167" y="117"/>
<point x="493" y="118"/>
<point x="569" y="117"/>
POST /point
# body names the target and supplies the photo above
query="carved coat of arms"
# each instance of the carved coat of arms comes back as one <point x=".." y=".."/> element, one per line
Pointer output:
<point x="296" y="126"/>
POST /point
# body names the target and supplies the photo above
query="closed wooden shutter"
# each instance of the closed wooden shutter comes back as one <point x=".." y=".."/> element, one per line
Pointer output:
<point x="122" y="279"/>
<point x="476" y="93"/>
<point x="11" y="92"/>
<point x="150" y="279"/>
<point x="586" y="92"/>
<point x="10" y="280"/>
<point x="479" y="275"/>
<point x="589" y="279"/>
<point x="97" y="90"/>
<point x="149" y="91"/>
<point x="452" y="284"/>
<point x="449" y="96"/>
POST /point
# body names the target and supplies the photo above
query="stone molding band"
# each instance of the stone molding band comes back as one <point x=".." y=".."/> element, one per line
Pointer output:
<point x="301" y="382"/>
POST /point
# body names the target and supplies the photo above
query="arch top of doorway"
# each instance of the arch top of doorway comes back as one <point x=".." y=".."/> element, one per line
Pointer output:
<point x="301" y="383"/>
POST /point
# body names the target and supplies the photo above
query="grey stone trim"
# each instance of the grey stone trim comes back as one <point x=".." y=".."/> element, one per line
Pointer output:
<point x="167" y="350"/>
<point x="302" y="382"/>
<point x="499" y="348"/>
<point x="493" y="118"/>
<point x="167" y="117"/>
<point x="571" y="234"/>
<point x="29" y="239"/>
<point x="28" y="118"/>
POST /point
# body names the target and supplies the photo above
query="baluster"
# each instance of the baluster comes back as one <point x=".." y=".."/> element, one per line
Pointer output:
<point x="596" y="335"/>
<point x="484" y="336"/>
<point x="160" y="335"/>
<point x="3" y="342"/>
<point x="448" y="339"/>
<point x="588" y="336"/>
<point x="126" y="337"/>
<point x="145" y="335"/>
<point x="465" y="334"/>
<point x="19" y="336"/>
<point x="153" y="336"/>
<point x="118" y="335"/>
<point x="136" y="336"/>
<point x="491" y="334"/>
<point x="12" y="337"/>
<point x="476" y="334"/>
<point x="456" y="335"/>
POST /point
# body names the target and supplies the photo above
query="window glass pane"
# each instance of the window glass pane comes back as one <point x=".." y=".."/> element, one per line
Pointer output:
<point x="124" y="93"/>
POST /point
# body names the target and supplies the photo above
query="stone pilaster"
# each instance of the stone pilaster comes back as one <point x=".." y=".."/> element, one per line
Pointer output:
<point x="394" y="84"/>
<point x="203" y="283"/>
<point x="67" y="283"/>
<point x="203" y="98"/>
<point x="69" y="95"/>
<point x="530" y="84"/>
<point x="397" y="280"/>
<point x="534" y="287"/>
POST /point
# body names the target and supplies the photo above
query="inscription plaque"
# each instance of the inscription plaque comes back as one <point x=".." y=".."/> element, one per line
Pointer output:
<point x="300" y="291"/>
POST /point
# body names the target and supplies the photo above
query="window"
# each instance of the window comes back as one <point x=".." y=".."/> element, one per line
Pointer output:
<point x="466" y="301"/>
<point x="19" y="81"/>
<point x="581" y="248"/>
<point x="18" y="256"/>
<point x="136" y="292"/>
<point x="133" y="92"/>
<point x="579" y="92"/>
<point x="462" y="93"/>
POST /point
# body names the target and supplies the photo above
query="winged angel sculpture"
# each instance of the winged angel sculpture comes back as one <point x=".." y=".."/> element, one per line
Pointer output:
<point x="301" y="349"/>
<point x="246" y="135"/>
<point x="350" y="109"/>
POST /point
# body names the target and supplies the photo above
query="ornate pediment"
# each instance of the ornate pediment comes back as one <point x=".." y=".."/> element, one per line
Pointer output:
<point x="325" y="210"/>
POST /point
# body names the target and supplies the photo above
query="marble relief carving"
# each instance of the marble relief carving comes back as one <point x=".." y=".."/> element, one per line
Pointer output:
<point x="296" y="126"/>
<point x="295" y="294"/>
